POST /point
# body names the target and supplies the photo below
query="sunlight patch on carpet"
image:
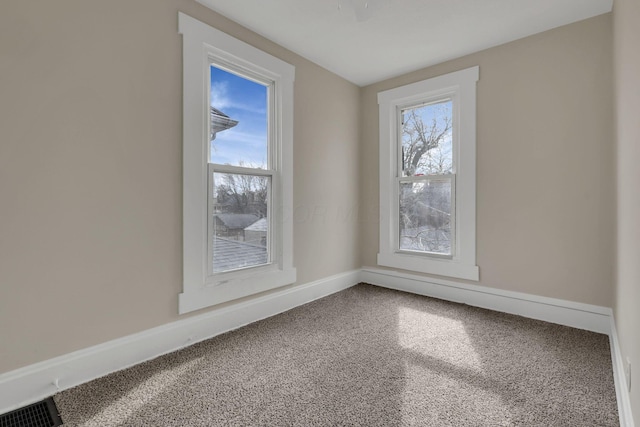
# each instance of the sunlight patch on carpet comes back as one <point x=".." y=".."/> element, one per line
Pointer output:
<point x="119" y="411"/>
<point x="438" y="337"/>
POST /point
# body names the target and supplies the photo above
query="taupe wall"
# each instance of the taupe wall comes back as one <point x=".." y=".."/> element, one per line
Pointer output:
<point x="545" y="205"/>
<point x="90" y="170"/>
<point x="627" y="127"/>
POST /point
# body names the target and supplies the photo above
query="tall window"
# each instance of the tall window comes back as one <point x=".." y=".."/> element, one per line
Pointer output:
<point x="240" y="172"/>
<point x="427" y="182"/>
<point x="427" y="176"/>
<point x="237" y="168"/>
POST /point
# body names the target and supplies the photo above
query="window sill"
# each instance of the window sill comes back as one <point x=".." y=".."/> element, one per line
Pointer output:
<point x="253" y="282"/>
<point x="423" y="264"/>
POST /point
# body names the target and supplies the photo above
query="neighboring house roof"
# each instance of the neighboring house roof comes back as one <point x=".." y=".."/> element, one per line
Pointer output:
<point x="231" y="220"/>
<point x="232" y="254"/>
<point x="259" y="225"/>
<point x="219" y="122"/>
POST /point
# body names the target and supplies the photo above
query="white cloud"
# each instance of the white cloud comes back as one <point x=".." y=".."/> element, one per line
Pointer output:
<point x="220" y="95"/>
<point x="221" y="100"/>
<point x="245" y="138"/>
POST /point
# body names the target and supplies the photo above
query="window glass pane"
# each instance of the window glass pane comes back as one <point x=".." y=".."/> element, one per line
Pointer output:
<point x="427" y="139"/>
<point x="425" y="216"/>
<point x="240" y="221"/>
<point x="239" y="120"/>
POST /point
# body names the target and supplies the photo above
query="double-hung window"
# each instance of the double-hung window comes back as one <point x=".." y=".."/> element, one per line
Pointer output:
<point x="237" y="168"/>
<point x="427" y="176"/>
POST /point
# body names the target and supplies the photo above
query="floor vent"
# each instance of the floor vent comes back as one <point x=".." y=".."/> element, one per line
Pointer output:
<point x="41" y="414"/>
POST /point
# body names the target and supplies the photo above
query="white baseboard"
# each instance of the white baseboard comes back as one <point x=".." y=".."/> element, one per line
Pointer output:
<point x="38" y="381"/>
<point x="622" y="393"/>
<point x="577" y="315"/>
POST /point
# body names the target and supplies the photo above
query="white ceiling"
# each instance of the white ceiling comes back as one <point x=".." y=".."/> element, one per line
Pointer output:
<point x="393" y="37"/>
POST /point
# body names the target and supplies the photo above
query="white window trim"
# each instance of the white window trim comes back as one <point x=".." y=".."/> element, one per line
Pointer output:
<point x="202" y="42"/>
<point x="461" y="87"/>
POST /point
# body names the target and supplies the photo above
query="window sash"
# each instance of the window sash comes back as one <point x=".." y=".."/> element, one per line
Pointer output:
<point x="272" y="110"/>
<point x="399" y="126"/>
<point x="451" y="178"/>
<point x="241" y="170"/>
<point x="237" y="170"/>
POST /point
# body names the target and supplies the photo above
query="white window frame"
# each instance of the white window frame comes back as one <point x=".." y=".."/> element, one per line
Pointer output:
<point x="204" y="46"/>
<point x="460" y="87"/>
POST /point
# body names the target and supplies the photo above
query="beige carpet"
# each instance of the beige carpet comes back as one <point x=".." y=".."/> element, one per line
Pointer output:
<point x="366" y="356"/>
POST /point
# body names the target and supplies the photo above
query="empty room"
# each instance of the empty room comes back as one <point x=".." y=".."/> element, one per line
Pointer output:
<point x="319" y="213"/>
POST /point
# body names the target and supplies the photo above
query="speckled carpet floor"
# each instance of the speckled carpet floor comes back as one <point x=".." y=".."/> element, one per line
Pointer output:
<point x="366" y="356"/>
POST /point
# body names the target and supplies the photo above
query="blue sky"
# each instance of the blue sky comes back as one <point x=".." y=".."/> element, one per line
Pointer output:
<point x="246" y="102"/>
